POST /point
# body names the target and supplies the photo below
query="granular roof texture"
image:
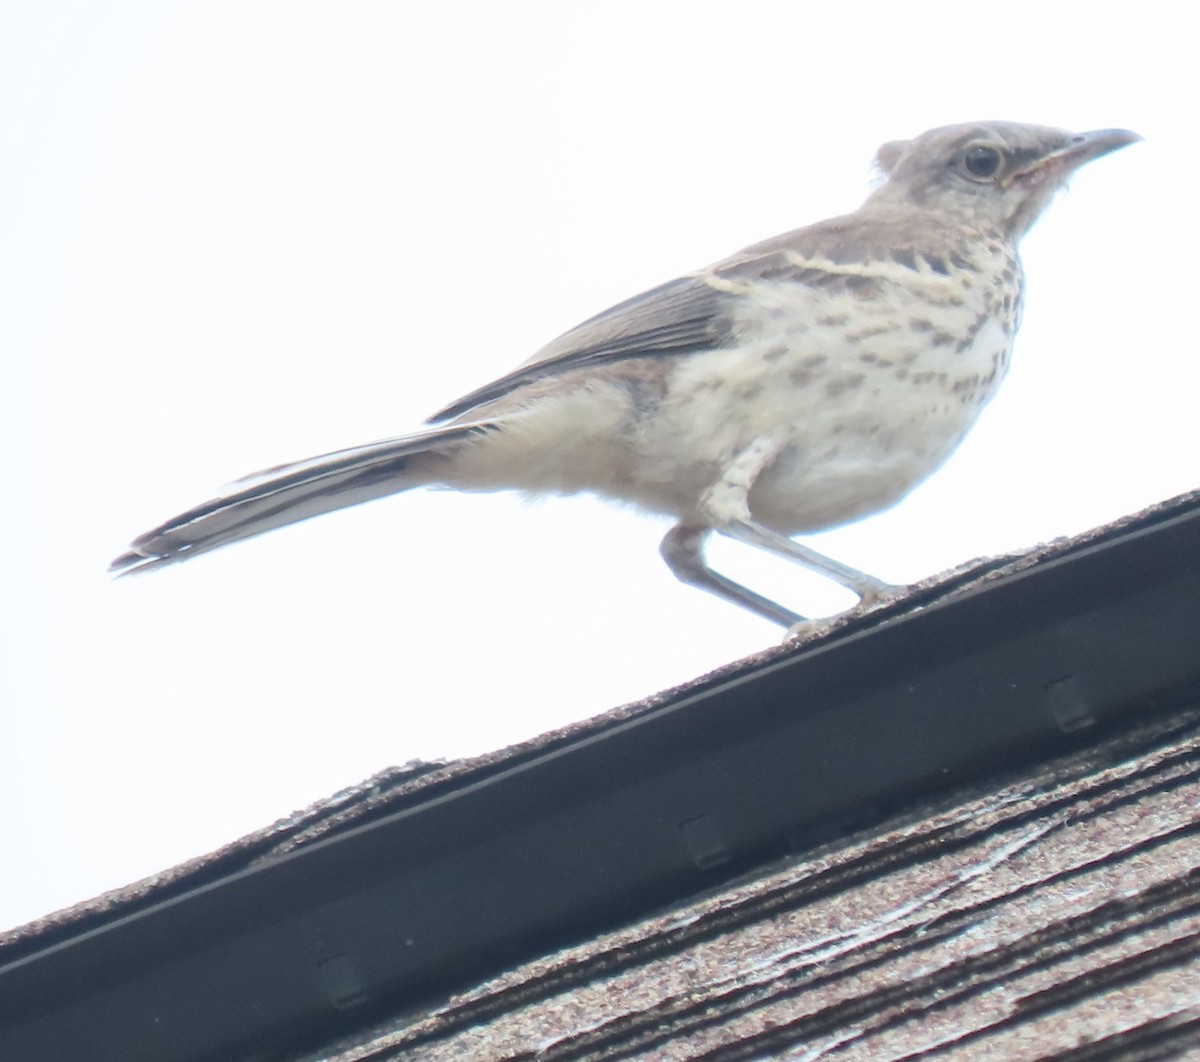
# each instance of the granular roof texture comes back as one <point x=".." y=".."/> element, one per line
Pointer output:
<point x="1057" y="915"/>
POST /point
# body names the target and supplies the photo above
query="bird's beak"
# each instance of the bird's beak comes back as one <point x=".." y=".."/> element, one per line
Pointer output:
<point x="1079" y="150"/>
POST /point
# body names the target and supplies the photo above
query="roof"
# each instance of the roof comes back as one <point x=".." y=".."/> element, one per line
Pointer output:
<point x="969" y="812"/>
<point x="1057" y="911"/>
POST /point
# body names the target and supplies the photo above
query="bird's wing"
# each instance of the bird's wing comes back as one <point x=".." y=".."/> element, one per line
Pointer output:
<point x="693" y="313"/>
<point x="678" y="317"/>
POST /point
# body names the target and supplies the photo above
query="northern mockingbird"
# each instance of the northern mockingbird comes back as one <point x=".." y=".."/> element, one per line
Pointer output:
<point x="802" y="383"/>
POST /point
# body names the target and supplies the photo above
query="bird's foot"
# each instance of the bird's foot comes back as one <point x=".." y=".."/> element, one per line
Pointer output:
<point x="873" y="597"/>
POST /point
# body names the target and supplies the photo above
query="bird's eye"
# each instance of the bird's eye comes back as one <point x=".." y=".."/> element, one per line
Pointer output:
<point x="982" y="161"/>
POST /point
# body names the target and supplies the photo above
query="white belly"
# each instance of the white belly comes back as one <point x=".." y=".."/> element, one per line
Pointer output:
<point x="861" y="422"/>
<point x="863" y="397"/>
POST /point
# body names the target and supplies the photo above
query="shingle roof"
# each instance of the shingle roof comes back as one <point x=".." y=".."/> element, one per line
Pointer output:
<point x="991" y="890"/>
<point x="1048" y="912"/>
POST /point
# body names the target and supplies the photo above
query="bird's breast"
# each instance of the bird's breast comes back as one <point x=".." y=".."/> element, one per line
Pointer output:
<point x="866" y="395"/>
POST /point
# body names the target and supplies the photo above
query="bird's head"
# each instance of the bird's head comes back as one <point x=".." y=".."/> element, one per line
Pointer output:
<point x="997" y="175"/>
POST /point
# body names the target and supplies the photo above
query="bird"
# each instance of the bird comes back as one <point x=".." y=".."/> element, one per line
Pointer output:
<point x="805" y="382"/>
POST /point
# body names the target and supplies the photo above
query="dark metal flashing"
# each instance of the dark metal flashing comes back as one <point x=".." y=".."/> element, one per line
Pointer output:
<point x="388" y="897"/>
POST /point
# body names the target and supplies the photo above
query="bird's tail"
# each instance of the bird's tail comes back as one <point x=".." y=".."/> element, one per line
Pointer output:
<point x="290" y="493"/>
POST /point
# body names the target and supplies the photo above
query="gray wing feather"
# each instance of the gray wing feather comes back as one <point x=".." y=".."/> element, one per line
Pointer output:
<point x="678" y="317"/>
<point x="693" y="313"/>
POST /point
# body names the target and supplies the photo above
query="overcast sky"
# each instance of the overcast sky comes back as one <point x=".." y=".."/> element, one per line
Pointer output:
<point x="238" y="233"/>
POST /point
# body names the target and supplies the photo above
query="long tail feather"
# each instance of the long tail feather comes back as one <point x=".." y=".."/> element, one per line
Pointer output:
<point x="290" y="493"/>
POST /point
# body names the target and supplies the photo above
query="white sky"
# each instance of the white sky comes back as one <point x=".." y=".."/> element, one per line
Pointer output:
<point x="237" y="233"/>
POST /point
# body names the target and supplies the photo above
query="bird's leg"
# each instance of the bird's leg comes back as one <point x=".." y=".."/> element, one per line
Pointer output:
<point x="683" y="550"/>
<point x="868" y="588"/>
<point x="683" y="547"/>
<point x="727" y="510"/>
